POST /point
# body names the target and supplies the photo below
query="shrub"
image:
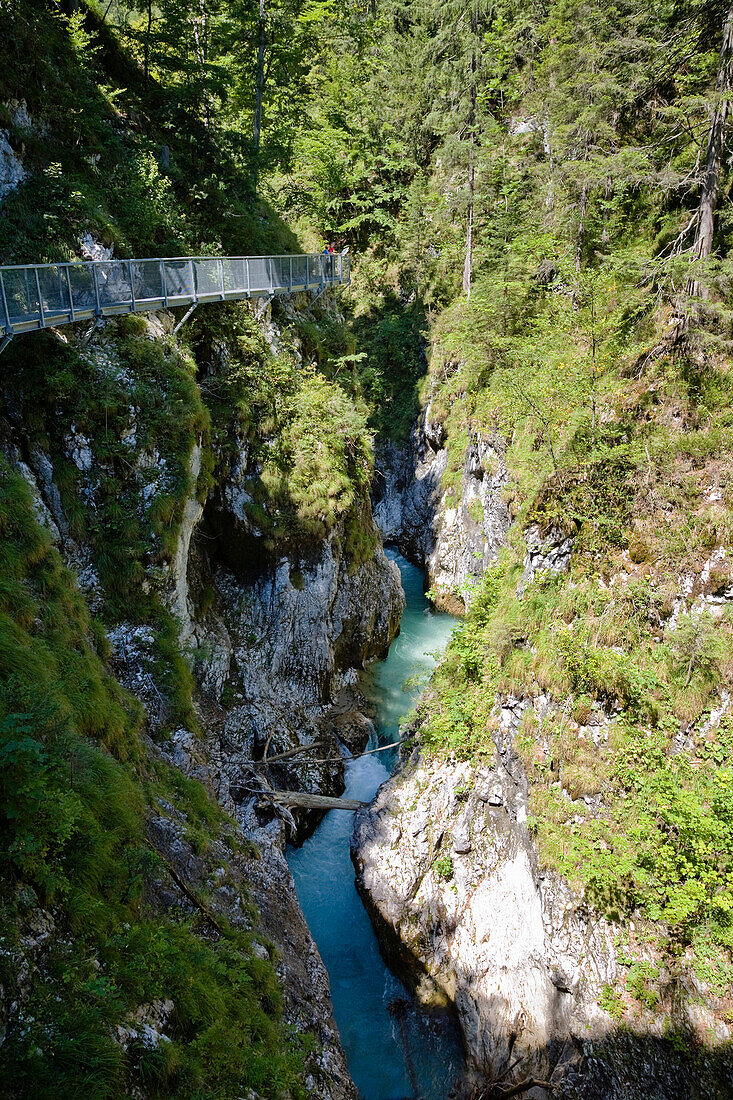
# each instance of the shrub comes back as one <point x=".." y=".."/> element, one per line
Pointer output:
<point x="443" y="866"/>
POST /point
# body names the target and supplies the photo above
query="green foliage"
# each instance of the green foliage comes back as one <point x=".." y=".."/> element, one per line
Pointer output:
<point x="610" y="1001"/>
<point x="132" y="397"/>
<point x="640" y="980"/>
<point x="45" y="636"/>
<point x="698" y="645"/>
<point x="105" y="97"/>
<point x="662" y="840"/>
<point x="573" y="132"/>
<point x="147" y="396"/>
<point x="308" y="437"/>
<point x="72" y="835"/>
<point x="393" y="336"/>
<point x="443" y="866"/>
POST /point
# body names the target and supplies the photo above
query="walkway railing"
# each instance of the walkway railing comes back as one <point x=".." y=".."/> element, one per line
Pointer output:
<point x="45" y="295"/>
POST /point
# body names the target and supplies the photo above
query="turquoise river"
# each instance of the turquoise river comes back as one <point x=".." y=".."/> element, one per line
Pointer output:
<point x="389" y="1059"/>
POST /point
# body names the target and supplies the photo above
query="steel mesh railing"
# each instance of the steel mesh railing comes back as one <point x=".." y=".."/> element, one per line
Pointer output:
<point x="42" y="295"/>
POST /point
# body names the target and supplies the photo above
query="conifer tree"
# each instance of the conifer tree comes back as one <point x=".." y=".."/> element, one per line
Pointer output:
<point x="457" y="58"/>
<point x="717" y="134"/>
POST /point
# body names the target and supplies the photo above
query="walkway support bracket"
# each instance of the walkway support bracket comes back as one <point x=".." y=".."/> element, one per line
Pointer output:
<point x="185" y="317"/>
<point x="264" y="306"/>
<point x="5" y="341"/>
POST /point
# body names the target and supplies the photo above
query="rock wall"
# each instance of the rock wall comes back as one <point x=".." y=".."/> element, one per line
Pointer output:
<point x="277" y="654"/>
<point x="449" y="873"/>
<point x="452" y="527"/>
<point x="276" y="643"/>
<point x="447" y="867"/>
<point x="279" y="933"/>
<point x="12" y="170"/>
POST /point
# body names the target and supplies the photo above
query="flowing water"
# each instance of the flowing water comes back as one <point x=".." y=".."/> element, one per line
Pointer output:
<point x="362" y="986"/>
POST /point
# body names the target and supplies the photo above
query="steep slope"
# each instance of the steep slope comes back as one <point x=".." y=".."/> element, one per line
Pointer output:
<point x="220" y="538"/>
<point x="539" y="199"/>
<point x="555" y="856"/>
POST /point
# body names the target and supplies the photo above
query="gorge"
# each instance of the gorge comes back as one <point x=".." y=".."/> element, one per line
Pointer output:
<point x="472" y="503"/>
<point x="384" y="1059"/>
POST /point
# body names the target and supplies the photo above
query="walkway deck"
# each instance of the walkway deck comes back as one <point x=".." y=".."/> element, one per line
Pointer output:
<point x="48" y="295"/>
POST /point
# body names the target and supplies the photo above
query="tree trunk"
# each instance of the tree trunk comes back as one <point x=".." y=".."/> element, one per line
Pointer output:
<point x="259" y="92"/>
<point x="582" y="207"/>
<point x="147" y="40"/>
<point x="200" y="26"/>
<point x="705" y="227"/>
<point x="547" y="145"/>
<point x="468" y="264"/>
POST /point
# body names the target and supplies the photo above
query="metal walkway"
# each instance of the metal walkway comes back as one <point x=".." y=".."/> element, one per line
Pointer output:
<point x="46" y="295"/>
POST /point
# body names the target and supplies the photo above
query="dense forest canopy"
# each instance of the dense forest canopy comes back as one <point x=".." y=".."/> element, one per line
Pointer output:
<point x="442" y="142"/>
<point x="382" y="123"/>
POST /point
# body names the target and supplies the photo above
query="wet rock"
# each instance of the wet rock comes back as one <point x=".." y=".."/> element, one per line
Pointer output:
<point x="516" y="952"/>
<point x="455" y="535"/>
<point x="353" y="729"/>
<point x="298" y="630"/>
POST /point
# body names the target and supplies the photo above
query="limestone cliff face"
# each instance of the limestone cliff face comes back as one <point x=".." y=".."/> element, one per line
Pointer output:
<point x="275" y="641"/>
<point x="449" y="873"/>
<point x="278" y="652"/>
<point x="448" y="869"/>
<point x="452" y="526"/>
<point x="278" y="644"/>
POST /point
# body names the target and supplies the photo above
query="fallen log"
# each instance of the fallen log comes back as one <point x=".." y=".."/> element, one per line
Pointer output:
<point x="290" y="752"/>
<point x="304" y="800"/>
<point x="522" y="1086"/>
<point x="329" y="759"/>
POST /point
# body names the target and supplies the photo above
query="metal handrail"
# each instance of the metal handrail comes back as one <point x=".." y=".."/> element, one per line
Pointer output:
<point x="36" y="296"/>
<point x="178" y="259"/>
